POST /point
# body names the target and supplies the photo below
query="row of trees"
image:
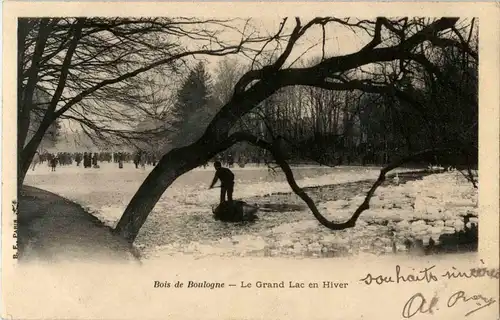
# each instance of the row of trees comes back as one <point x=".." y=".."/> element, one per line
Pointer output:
<point x="335" y="127"/>
<point x="410" y="90"/>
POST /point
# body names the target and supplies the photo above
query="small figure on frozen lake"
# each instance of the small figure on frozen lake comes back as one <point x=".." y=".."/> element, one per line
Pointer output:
<point x="226" y="178"/>
<point x="396" y="179"/>
<point x="142" y="160"/>
<point x="120" y="160"/>
<point x="137" y="159"/>
<point x="230" y="210"/>
<point x="53" y="163"/>
<point x="35" y="161"/>
<point x="78" y="159"/>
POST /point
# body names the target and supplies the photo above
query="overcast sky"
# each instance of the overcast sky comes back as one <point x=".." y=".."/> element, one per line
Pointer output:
<point x="339" y="40"/>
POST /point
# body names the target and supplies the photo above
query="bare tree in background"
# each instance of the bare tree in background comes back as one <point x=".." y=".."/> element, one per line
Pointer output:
<point x="157" y="100"/>
<point x="407" y="41"/>
<point x="50" y="138"/>
<point x="227" y="74"/>
<point x="92" y="68"/>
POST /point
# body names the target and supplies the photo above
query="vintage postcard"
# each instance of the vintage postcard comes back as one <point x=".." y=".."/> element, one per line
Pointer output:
<point x="250" y="160"/>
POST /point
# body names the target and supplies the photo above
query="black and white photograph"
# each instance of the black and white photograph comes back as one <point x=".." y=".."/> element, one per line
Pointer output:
<point x="266" y="142"/>
<point x="322" y="137"/>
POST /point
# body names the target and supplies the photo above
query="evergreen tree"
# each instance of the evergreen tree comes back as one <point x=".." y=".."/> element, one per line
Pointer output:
<point x="194" y="108"/>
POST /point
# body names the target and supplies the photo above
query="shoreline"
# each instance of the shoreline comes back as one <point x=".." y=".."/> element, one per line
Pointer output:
<point x="53" y="228"/>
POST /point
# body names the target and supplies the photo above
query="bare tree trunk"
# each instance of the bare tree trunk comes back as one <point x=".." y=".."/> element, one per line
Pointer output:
<point x="22" y="31"/>
<point x="170" y="167"/>
<point x="26" y="94"/>
<point x="26" y="154"/>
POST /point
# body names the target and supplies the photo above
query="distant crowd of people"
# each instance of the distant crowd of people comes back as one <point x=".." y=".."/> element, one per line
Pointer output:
<point x="140" y="159"/>
<point x="229" y="160"/>
<point x="92" y="159"/>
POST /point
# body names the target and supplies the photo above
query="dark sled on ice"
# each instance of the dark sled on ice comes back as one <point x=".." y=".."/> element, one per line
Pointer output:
<point x="235" y="211"/>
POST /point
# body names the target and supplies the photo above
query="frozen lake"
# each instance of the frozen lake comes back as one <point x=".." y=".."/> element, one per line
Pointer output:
<point x="110" y="187"/>
<point x="181" y="222"/>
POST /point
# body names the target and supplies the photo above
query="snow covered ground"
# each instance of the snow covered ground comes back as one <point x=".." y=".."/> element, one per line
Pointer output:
<point x="422" y="210"/>
<point x="181" y="222"/>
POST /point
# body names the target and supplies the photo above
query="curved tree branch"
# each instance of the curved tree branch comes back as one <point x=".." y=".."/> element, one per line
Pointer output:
<point x="317" y="75"/>
<point x="377" y="39"/>
<point x="274" y="149"/>
<point x="462" y="44"/>
<point x="275" y="37"/>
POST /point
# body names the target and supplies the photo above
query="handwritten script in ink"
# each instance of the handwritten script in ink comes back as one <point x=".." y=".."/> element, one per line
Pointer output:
<point x="428" y="274"/>
<point x="420" y="304"/>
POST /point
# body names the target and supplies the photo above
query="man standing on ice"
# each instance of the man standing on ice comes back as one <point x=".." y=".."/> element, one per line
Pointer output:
<point x="226" y="178"/>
